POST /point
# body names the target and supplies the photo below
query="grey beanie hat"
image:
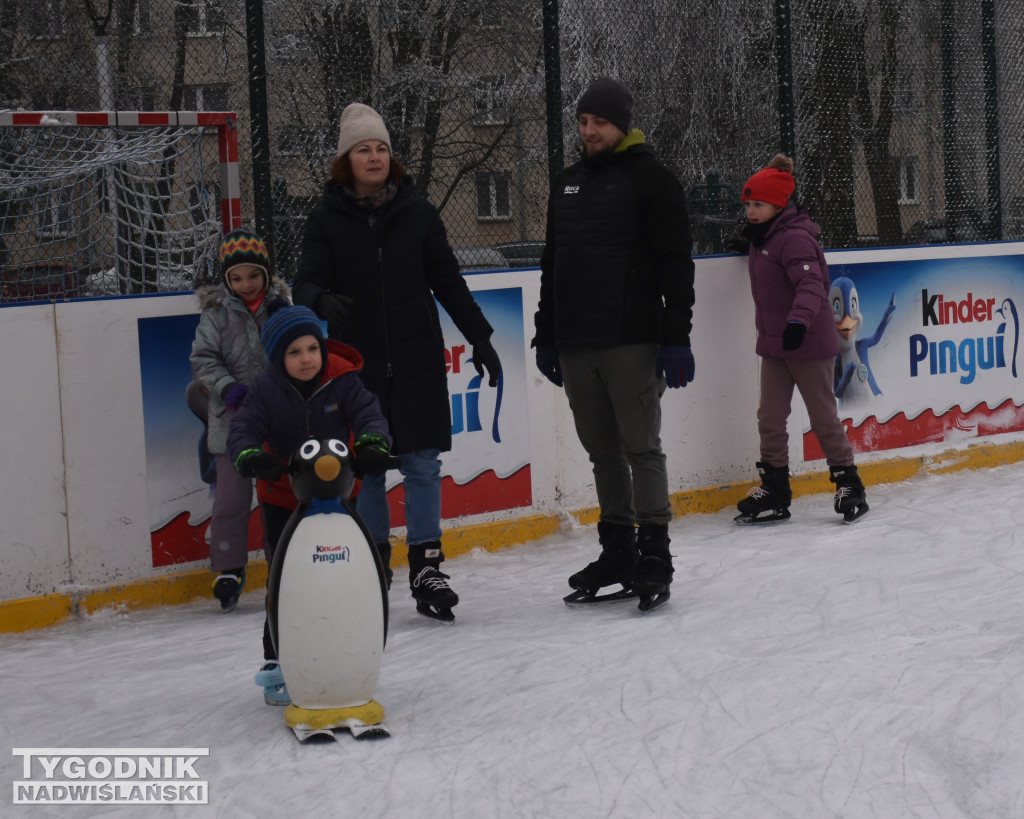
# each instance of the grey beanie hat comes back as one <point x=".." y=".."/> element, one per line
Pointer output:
<point x="359" y="123"/>
<point x="609" y="99"/>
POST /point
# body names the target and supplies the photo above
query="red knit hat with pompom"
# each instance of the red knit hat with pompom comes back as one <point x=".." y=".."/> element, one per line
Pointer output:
<point x="774" y="184"/>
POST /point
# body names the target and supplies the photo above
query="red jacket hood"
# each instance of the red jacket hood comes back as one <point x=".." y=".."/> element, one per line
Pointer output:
<point x="341" y="359"/>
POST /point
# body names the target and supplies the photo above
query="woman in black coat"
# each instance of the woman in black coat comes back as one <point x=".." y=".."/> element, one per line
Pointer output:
<point x="375" y="255"/>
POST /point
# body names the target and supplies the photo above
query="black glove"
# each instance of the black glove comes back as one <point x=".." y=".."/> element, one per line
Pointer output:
<point x="486" y="357"/>
<point x="548" y="363"/>
<point x="258" y="463"/>
<point x="793" y="336"/>
<point x="372" y="454"/>
<point x="337" y="310"/>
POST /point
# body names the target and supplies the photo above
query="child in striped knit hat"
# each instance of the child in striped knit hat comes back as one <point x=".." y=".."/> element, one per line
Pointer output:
<point x="226" y="357"/>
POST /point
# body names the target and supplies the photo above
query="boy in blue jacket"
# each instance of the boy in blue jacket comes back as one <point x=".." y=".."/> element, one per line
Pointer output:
<point x="311" y="389"/>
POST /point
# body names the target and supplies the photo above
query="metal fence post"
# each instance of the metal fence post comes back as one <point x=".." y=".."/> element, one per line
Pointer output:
<point x="784" y="58"/>
<point x="259" y="123"/>
<point x="994" y="223"/>
<point x="553" y="89"/>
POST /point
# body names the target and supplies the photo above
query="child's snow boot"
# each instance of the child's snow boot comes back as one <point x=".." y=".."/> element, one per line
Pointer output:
<point x="228" y="586"/>
<point x="270" y="676"/>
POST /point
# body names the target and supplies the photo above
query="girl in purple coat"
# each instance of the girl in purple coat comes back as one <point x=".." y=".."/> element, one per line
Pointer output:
<point x="796" y="339"/>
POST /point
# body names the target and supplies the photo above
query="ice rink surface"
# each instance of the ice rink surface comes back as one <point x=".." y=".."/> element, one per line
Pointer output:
<point x="801" y="670"/>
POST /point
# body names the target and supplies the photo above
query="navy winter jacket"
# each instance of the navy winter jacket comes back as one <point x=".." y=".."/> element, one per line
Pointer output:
<point x="276" y="416"/>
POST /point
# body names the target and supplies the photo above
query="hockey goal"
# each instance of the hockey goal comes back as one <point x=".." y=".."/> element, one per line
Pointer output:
<point x="114" y="202"/>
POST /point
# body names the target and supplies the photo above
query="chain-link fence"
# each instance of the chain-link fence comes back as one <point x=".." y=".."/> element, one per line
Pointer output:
<point x="899" y="112"/>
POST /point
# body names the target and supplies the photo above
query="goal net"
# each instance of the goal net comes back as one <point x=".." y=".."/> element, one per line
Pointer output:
<point x="109" y="203"/>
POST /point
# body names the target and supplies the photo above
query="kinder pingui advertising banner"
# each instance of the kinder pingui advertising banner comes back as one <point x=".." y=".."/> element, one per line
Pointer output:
<point x="488" y="469"/>
<point x="929" y="350"/>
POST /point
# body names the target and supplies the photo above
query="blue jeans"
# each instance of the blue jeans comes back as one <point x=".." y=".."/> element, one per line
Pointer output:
<point x="422" y="471"/>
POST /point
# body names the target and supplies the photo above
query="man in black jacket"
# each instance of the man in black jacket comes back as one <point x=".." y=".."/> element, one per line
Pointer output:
<point x="613" y="325"/>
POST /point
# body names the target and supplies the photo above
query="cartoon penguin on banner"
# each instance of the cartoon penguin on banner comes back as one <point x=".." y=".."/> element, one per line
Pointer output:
<point x="327" y="601"/>
<point x="854" y="379"/>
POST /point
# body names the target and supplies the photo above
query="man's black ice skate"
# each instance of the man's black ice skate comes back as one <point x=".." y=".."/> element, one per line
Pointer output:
<point x="850" y="499"/>
<point x="653" y="574"/>
<point x="434" y="597"/>
<point x="228" y="586"/>
<point x="768" y="502"/>
<point x="614" y="566"/>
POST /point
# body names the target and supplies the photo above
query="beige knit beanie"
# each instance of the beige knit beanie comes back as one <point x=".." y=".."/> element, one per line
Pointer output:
<point x="359" y="123"/>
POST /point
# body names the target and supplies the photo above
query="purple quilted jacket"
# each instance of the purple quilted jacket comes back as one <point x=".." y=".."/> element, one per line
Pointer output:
<point x="789" y="281"/>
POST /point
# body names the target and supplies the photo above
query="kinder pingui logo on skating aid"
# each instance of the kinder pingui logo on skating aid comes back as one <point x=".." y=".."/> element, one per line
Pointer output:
<point x="332" y="554"/>
<point x="110" y="776"/>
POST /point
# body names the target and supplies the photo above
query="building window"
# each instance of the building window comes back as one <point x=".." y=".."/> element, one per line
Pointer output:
<point x="906" y="170"/>
<point x="302" y="141"/>
<point x="203" y="17"/>
<point x="412" y="113"/>
<point x="143" y="22"/>
<point x="493" y="197"/>
<point x="489" y="101"/>
<point x="305" y="141"/>
<point x="206" y="98"/>
<point x="53" y="216"/>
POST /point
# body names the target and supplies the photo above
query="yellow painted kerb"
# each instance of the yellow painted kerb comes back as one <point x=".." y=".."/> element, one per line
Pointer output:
<point x="172" y="589"/>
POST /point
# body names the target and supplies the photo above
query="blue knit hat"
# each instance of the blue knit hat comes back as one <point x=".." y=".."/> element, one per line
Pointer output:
<point x="286" y="325"/>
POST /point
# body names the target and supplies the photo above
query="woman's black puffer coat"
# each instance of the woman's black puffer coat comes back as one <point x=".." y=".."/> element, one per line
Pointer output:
<point x="391" y="263"/>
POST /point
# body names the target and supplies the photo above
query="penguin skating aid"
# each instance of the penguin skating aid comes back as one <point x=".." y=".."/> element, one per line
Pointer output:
<point x="327" y="605"/>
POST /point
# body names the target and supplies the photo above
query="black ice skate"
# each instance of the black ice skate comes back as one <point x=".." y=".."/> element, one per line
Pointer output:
<point x="768" y="502"/>
<point x="850" y="498"/>
<point x="228" y="586"/>
<point x="434" y="597"/>
<point x="653" y="574"/>
<point x="614" y="566"/>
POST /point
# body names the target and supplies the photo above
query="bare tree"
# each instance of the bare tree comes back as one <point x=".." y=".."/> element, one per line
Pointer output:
<point x="451" y="99"/>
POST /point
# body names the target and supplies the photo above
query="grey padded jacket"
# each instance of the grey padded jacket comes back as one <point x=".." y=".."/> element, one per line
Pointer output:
<point x="227" y="350"/>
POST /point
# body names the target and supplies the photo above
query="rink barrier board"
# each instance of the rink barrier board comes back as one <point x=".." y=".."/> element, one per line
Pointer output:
<point x="79" y="528"/>
<point x="41" y="612"/>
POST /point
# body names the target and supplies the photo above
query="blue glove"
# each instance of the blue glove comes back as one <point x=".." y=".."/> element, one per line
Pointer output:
<point x="548" y="363"/>
<point x="676" y="365"/>
<point x="793" y="336"/>
<point x="234" y="395"/>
